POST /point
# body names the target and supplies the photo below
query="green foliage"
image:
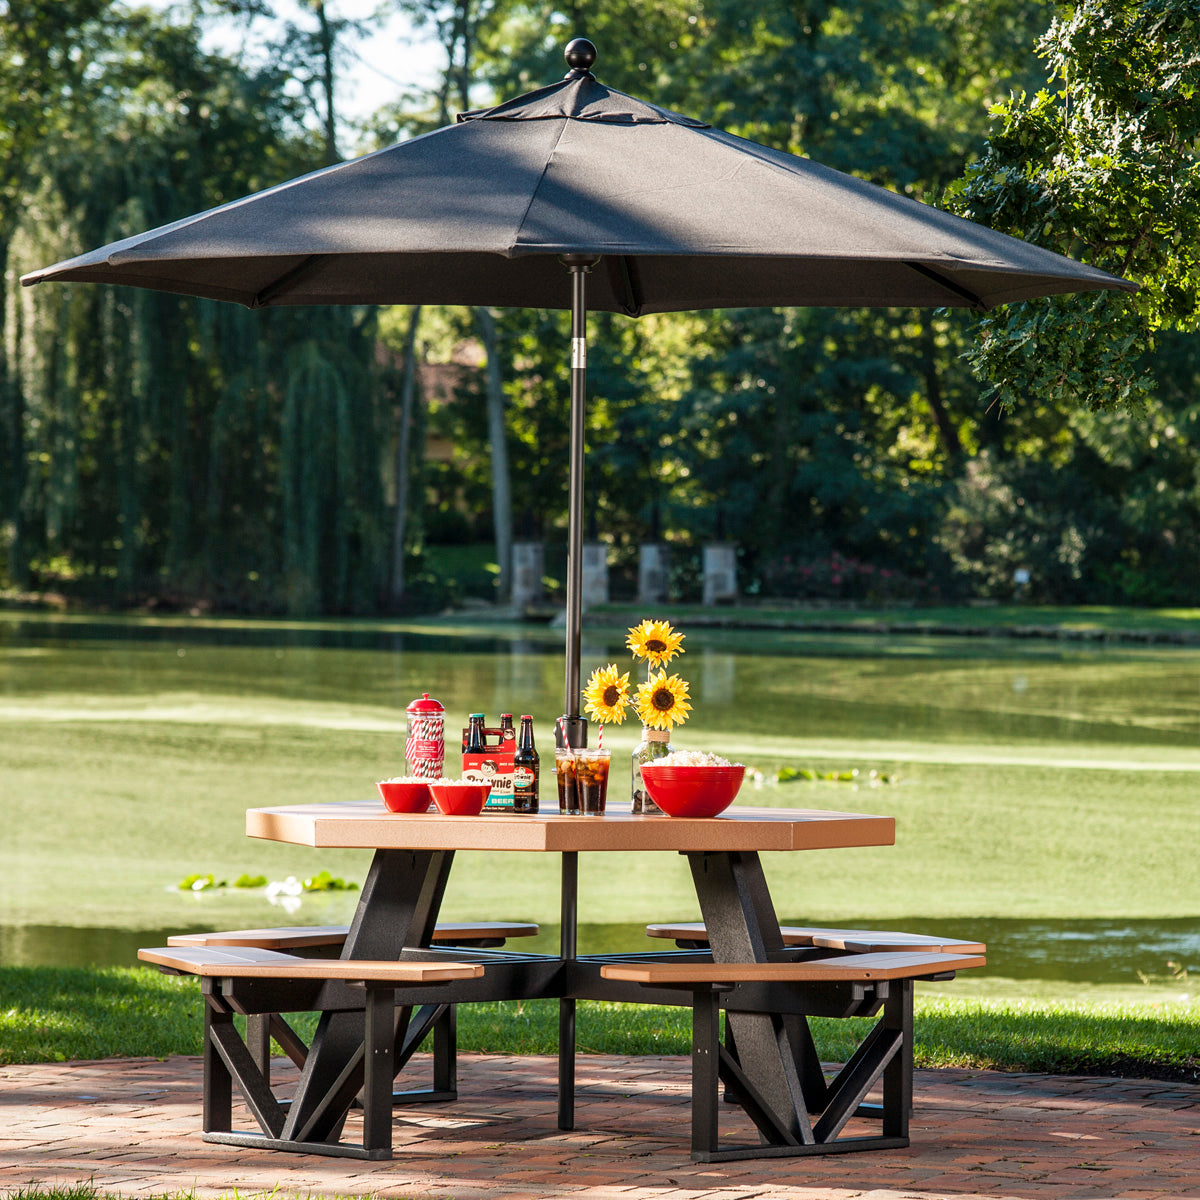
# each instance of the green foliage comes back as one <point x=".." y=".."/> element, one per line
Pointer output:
<point x="322" y="881"/>
<point x="161" y="451"/>
<point x="851" y="775"/>
<point x="170" y="447"/>
<point x="1104" y="168"/>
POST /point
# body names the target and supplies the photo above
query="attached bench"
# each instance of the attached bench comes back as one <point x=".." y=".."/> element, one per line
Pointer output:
<point x="475" y="934"/>
<point x="692" y="935"/>
<point x="228" y="1059"/>
<point x="326" y="941"/>
<point x="878" y="979"/>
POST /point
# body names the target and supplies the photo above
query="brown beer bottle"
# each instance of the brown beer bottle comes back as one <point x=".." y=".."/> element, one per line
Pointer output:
<point x="475" y="741"/>
<point x="525" y="770"/>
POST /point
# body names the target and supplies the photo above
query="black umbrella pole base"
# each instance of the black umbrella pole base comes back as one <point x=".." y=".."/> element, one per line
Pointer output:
<point x="574" y="729"/>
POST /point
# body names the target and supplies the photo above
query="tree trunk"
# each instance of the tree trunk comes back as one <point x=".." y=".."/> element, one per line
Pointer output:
<point x="951" y="442"/>
<point x="408" y="388"/>
<point x="12" y="443"/>
<point x="497" y="435"/>
<point x="326" y="37"/>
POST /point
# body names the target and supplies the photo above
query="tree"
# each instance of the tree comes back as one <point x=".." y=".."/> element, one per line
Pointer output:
<point x="41" y="73"/>
<point x="1103" y="167"/>
<point x="459" y="26"/>
<point x="174" y="447"/>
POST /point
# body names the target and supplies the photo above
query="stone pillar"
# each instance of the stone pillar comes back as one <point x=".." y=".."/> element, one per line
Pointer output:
<point x="720" y="574"/>
<point x="652" y="573"/>
<point x="528" y="568"/>
<point x="595" y="574"/>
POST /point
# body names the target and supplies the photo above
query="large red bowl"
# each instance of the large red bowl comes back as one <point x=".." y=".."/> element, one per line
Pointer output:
<point x="404" y="797"/>
<point x="692" y="791"/>
<point x="460" y="799"/>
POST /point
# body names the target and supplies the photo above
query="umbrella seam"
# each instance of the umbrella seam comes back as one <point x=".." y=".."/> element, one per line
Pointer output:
<point x="533" y="192"/>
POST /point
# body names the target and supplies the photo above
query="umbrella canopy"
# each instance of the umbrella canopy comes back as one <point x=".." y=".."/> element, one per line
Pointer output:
<point x="660" y="212"/>
<point x="683" y="215"/>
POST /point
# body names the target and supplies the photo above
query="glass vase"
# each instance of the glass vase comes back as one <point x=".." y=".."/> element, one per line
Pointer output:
<point x="654" y="744"/>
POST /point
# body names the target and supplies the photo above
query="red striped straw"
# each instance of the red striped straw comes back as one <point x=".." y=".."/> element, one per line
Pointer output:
<point x="562" y="730"/>
<point x="600" y="738"/>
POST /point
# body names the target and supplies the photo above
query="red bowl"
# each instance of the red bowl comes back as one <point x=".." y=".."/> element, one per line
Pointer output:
<point x="460" y="799"/>
<point x="404" y="797"/>
<point x="692" y="791"/>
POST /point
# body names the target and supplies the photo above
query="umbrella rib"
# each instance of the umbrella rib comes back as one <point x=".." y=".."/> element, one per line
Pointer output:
<point x="937" y="277"/>
<point x="277" y="286"/>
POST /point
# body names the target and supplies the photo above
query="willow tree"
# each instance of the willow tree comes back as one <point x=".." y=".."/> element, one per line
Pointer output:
<point x="175" y="447"/>
<point x="40" y="95"/>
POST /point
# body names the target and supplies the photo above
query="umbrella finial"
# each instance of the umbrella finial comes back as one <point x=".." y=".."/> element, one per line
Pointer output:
<point x="580" y="55"/>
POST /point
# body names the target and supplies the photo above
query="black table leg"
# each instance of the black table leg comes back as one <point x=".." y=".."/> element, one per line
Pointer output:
<point x="742" y="927"/>
<point x="398" y="907"/>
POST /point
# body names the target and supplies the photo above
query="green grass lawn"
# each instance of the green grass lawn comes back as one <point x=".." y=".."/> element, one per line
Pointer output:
<point x="1093" y="620"/>
<point x="63" y="1014"/>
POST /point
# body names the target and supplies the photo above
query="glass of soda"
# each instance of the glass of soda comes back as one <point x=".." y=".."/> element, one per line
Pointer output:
<point x="564" y="770"/>
<point x="591" y="780"/>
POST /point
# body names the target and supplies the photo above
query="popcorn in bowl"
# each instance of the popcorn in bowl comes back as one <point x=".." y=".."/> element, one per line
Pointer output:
<point x="404" y="794"/>
<point x="459" y="797"/>
<point x="692" y="783"/>
<point x="693" y="758"/>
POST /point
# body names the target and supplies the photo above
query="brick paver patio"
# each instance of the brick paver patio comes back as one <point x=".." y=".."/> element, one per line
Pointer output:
<point x="130" y="1126"/>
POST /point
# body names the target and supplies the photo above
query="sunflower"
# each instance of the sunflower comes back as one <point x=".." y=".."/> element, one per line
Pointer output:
<point x="607" y="695"/>
<point x="661" y="701"/>
<point x="654" y="641"/>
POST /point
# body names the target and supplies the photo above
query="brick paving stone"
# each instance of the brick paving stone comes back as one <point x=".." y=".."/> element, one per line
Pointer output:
<point x="131" y="1127"/>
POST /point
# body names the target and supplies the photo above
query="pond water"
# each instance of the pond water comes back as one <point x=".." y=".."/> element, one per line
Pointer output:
<point x="1044" y="793"/>
<point x="1103" y="953"/>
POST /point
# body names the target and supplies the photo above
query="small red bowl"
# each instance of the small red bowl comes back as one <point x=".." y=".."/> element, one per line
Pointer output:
<point x="692" y="791"/>
<point x="460" y="799"/>
<point x="404" y="797"/>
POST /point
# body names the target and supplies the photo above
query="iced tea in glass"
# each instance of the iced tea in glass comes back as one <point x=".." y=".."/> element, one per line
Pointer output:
<point x="564" y="771"/>
<point x="591" y="780"/>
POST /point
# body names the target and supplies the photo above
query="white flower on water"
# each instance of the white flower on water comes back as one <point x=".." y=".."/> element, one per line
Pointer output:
<point x="285" y="893"/>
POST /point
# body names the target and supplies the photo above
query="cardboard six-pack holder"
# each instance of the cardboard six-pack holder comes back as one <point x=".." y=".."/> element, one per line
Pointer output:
<point x="494" y="766"/>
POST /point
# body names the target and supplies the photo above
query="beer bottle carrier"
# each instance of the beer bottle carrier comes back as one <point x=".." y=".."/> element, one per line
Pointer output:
<point x="490" y="760"/>
<point x="425" y="746"/>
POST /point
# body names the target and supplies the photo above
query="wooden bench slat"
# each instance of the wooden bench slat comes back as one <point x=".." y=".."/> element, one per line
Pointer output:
<point x="256" y="962"/>
<point x="858" y="941"/>
<point x="858" y="968"/>
<point x="298" y="937"/>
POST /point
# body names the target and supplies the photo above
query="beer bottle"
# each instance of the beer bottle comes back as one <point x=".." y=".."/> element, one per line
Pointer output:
<point x="525" y="770"/>
<point x="475" y="739"/>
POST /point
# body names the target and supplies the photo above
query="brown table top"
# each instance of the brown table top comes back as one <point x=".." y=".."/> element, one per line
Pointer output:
<point x="366" y="824"/>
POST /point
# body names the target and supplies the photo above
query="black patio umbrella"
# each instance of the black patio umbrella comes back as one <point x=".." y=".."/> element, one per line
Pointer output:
<point x="650" y="210"/>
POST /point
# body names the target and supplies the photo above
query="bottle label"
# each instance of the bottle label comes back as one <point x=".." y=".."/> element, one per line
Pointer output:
<point x="523" y="777"/>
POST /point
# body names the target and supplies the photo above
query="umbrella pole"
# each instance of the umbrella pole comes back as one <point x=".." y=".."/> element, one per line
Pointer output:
<point x="575" y="726"/>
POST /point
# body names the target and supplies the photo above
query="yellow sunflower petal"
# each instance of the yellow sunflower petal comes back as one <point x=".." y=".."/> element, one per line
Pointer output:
<point x="655" y="642"/>
<point x="606" y="696"/>
<point x="662" y="701"/>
